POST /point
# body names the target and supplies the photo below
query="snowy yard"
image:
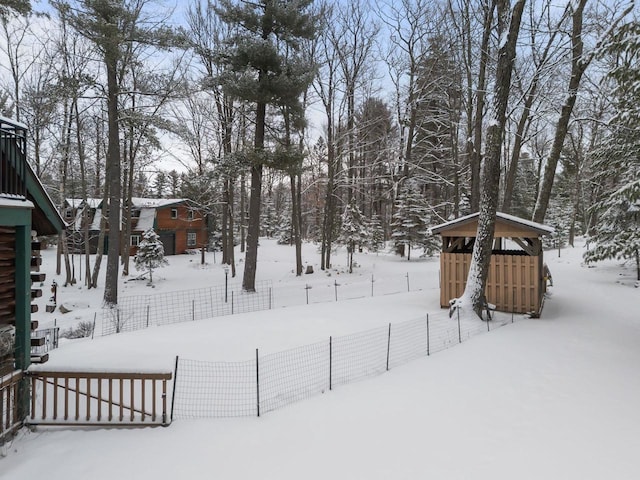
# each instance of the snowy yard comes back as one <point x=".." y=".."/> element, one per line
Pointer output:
<point x="555" y="397"/>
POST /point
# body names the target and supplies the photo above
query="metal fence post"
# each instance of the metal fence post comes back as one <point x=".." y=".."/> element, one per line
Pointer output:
<point x="335" y="286"/>
<point x="257" y="381"/>
<point x="330" y="363"/>
<point x="372" y="285"/>
<point x="388" y="346"/>
<point x="270" y="298"/>
<point x="173" y="395"/>
<point x="408" y="289"/>
<point x="148" y="316"/>
<point x="94" y="324"/>
<point x="428" y="352"/>
<point x="193" y="310"/>
<point x="459" y="333"/>
<point x="231" y="302"/>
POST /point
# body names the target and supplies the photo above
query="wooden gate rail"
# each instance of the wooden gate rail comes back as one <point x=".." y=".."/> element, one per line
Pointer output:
<point x="98" y="398"/>
<point x="9" y="416"/>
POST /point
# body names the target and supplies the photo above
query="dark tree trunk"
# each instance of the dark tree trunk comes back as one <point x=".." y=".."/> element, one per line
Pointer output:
<point x="251" y="257"/>
<point x="481" y="257"/>
<point x="476" y="157"/>
<point x="113" y="179"/>
<point x="578" y="67"/>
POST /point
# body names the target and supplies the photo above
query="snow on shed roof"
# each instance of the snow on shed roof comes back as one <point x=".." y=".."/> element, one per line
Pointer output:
<point x="537" y="227"/>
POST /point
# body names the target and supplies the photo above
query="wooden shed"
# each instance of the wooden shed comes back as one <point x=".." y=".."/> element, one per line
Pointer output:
<point x="516" y="281"/>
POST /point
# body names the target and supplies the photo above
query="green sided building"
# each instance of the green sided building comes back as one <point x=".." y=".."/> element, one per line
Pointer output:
<point x="26" y="211"/>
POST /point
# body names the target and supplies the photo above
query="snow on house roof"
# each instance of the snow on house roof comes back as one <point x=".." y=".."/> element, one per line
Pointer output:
<point x="73" y="202"/>
<point x="77" y="202"/>
<point x="538" y="227"/>
<point x="95" y="225"/>
<point x="146" y="219"/>
<point x="138" y="202"/>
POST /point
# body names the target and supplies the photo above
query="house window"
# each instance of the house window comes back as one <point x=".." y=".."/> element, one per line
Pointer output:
<point x="135" y="213"/>
<point x="192" y="238"/>
<point x="190" y="215"/>
<point x="174" y="213"/>
<point x="67" y="213"/>
<point x="135" y="240"/>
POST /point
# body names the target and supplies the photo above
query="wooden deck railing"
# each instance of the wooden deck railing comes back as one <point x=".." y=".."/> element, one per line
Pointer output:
<point x="9" y="416"/>
<point x="98" y="398"/>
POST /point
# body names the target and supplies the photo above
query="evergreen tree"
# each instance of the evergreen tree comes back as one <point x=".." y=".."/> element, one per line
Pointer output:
<point x="264" y="65"/>
<point x="354" y="231"/>
<point x="376" y="240"/>
<point x="150" y="253"/>
<point x="284" y="229"/>
<point x="616" y="233"/>
<point x="410" y="226"/>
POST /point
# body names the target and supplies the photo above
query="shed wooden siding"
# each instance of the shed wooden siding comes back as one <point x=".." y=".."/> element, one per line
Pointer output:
<point x="513" y="284"/>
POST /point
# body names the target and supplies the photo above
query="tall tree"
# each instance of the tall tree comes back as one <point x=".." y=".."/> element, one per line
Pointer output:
<point x="580" y="61"/>
<point x="264" y="66"/>
<point x="113" y="26"/>
<point x="617" y="164"/>
<point x="508" y="27"/>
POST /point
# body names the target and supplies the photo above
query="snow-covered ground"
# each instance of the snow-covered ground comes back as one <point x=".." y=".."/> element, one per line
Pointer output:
<point x="554" y="398"/>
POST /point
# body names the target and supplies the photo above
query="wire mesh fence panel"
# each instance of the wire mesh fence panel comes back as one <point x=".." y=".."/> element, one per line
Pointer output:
<point x="316" y="289"/>
<point x="293" y="375"/>
<point x="443" y="332"/>
<point x="359" y="356"/>
<point x="408" y="341"/>
<point x="215" y="389"/>
<point x="136" y="312"/>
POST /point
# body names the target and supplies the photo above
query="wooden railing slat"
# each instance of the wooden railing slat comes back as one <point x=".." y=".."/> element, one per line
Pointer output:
<point x="88" y="387"/>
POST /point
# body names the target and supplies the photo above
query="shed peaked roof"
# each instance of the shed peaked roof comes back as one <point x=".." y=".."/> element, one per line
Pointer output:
<point x="519" y="225"/>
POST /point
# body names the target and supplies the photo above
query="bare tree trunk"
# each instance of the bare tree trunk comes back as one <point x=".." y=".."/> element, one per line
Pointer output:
<point x="101" y="236"/>
<point x="83" y="185"/>
<point x="251" y="257"/>
<point x="578" y="67"/>
<point x="113" y="179"/>
<point x="481" y="257"/>
<point x="476" y="157"/>
<point x="579" y="64"/>
<point x="525" y="118"/>
<point x="243" y="212"/>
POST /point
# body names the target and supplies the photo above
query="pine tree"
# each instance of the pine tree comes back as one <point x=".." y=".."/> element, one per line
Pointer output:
<point x="354" y="231"/>
<point x="376" y="240"/>
<point x="150" y="253"/>
<point x="616" y="233"/>
<point x="264" y="64"/>
<point x="410" y="226"/>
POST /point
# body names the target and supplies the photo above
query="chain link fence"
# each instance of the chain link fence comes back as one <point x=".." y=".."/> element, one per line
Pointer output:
<point x="269" y="382"/>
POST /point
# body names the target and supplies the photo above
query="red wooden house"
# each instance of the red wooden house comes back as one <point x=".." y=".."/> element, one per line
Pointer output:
<point x="180" y="224"/>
